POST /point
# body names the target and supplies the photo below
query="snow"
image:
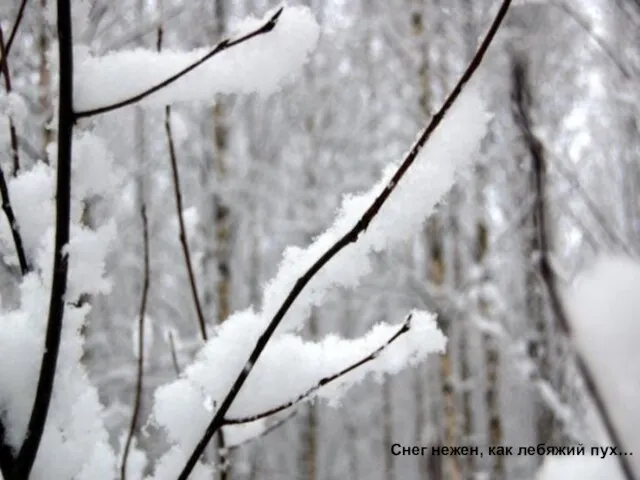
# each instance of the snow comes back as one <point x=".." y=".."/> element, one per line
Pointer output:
<point x="603" y="306"/>
<point x="74" y="429"/>
<point x="170" y="466"/>
<point x="291" y="363"/>
<point x="291" y="366"/>
<point x="262" y="64"/>
<point x="451" y="148"/>
<point x="580" y="468"/>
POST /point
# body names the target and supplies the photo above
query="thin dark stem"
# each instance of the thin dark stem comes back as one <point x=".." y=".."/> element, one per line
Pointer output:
<point x="5" y="55"/>
<point x="141" y="317"/>
<point x="347" y="239"/>
<point x="522" y="102"/>
<point x="13" y="224"/>
<point x="15" y="150"/>
<point x="222" y="46"/>
<point x="35" y="428"/>
<point x="14" y="30"/>
<point x="6" y="455"/>
<point x="404" y="328"/>
<point x="183" y="230"/>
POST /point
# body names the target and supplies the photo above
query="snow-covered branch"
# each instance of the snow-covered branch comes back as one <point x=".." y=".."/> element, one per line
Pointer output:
<point x="365" y="224"/>
<point x="36" y="425"/>
<point x="233" y="66"/>
<point x="335" y="377"/>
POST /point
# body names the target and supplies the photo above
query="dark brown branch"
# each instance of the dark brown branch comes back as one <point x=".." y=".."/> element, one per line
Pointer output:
<point x="185" y="246"/>
<point x="35" y="428"/>
<point x="13" y="224"/>
<point x="348" y="238"/>
<point x="4" y="190"/>
<point x="141" y="317"/>
<point x="183" y="230"/>
<point x="5" y="55"/>
<point x="222" y="46"/>
<point x="522" y="105"/>
<point x="15" y="150"/>
<point x="404" y="328"/>
<point x="14" y="30"/>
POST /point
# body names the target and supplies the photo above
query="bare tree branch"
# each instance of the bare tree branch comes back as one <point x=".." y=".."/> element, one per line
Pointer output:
<point x="7" y="83"/>
<point x="183" y="231"/>
<point x="4" y="190"/>
<point x="404" y="328"/>
<point x="35" y="428"/>
<point x="13" y="225"/>
<point x="141" y="317"/>
<point x="350" y="237"/>
<point x="222" y="46"/>
<point x="522" y="101"/>
<point x="5" y="55"/>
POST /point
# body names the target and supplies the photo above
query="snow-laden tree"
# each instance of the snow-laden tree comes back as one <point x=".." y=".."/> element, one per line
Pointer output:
<point x="255" y="364"/>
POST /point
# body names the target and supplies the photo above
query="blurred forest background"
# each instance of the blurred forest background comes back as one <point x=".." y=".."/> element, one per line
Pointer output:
<point x="258" y="174"/>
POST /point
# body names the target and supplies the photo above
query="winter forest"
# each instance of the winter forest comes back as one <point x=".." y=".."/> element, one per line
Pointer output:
<point x="329" y="239"/>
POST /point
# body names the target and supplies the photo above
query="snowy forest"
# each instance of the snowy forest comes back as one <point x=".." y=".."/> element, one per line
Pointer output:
<point x="323" y="239"/>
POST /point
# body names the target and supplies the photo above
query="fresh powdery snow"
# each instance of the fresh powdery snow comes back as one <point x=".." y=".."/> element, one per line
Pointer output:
<point x="262" y="64"/>
<point x="580" y="468"/>
<point x="289" y="365"/>
<point x="604" y="314"/>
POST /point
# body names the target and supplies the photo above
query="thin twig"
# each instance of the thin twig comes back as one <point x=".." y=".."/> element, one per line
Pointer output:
<point x="347" y="239"/>
<point x="404" y="328"/>
<point x="12" y="36"/>
<point x="35" y="428"/>
<point x="522" y="102"/>
<point x="4" y="190"/>
<point x="7" y="84"/>
<point x="266" y="431"/>
<point x="141" y="317"/>
<point x="13" y="225"/>
<point x="222" y="46"/>
<point x="183" y="230"/>
<point x="185" y="248"/>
